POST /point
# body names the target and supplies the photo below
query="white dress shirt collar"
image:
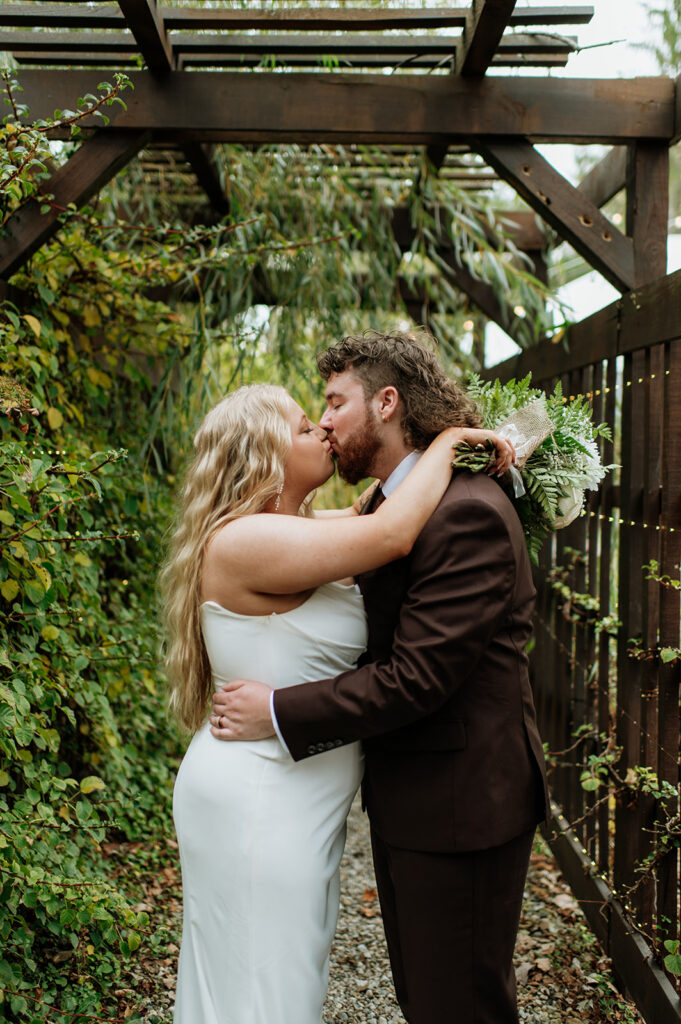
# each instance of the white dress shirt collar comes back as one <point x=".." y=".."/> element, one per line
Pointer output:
<point x="399" y="473"/>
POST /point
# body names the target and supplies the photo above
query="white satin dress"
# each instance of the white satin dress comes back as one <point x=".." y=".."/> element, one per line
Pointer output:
<point x="260" y="835"/>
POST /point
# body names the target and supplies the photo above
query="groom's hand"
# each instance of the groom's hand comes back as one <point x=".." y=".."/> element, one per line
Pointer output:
<point x="241" y="711"/>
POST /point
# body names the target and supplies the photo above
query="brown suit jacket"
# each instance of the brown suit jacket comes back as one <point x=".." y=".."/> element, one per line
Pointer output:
<point x="442" y="698"/>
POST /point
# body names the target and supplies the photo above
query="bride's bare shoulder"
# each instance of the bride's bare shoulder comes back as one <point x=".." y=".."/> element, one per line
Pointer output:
<point x="231" y="538"/>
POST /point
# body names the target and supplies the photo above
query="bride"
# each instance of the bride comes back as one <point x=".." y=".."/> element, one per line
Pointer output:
<point x="258" y="587"/>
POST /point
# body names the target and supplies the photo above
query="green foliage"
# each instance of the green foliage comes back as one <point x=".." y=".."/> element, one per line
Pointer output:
<point x="565" y="463"/>
<point x="672" y="961"/>
<point x="85" y="749"/>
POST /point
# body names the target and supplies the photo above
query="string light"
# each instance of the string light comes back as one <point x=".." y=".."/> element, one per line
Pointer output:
<point x="630" y="522"/>
<point x="619" y="386"/>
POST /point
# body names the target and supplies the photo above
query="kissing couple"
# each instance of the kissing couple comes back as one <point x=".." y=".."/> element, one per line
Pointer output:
<point x="382" y="645"/>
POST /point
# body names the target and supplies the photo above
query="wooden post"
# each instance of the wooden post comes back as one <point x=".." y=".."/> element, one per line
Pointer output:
<point x="648" y="209"/>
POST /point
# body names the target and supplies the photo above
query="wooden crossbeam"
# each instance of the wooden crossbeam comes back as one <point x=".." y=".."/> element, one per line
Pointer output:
<point x="370" y="109"/>
<point x="560" y="204"/>
<point x="482" y="33"/>
<point x="62" y="15"/>
<point x="123" y="61"/>
<point x="89" y="169"/>
<point x="145" y="23"/>
<point x="482" y="294"/>
<point x="607" y="178"/>
<point x="157" y="55"/>
<point x="527" y="236"/>
<point x="200" y="158"/>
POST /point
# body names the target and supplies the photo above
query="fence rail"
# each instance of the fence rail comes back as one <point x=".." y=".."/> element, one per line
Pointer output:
<point x="607" y="632"/>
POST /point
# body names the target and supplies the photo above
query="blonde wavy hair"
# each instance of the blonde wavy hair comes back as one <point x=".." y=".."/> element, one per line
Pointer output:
<point x="238" y="466"/>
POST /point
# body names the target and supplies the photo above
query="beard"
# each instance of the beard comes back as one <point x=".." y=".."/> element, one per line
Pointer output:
<point x="359" y="452"/>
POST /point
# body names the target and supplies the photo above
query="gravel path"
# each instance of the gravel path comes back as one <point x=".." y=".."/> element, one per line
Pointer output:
<point x="562" y="976"/>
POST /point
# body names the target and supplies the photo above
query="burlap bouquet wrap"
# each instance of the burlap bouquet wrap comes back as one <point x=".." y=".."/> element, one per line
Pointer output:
<point x="526" y="429"/>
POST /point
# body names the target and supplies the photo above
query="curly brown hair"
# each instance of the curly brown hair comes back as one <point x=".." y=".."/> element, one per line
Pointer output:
<point x="431" y="401"/>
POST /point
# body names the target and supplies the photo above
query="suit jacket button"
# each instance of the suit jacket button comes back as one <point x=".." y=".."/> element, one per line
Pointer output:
<point x="339" y="743"/>
<point x="312" y="749"/>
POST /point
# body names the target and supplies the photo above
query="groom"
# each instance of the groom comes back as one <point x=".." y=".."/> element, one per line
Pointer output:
<point x="454" y="780"/>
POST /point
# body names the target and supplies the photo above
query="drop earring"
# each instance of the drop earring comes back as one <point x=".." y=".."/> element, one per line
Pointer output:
<point x="277" y="501"/>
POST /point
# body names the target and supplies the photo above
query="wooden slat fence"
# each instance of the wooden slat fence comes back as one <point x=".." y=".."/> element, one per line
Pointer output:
<point x="605" y="625"/>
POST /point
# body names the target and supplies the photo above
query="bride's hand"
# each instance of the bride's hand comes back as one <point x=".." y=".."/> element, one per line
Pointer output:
<point x="504" y="450"/>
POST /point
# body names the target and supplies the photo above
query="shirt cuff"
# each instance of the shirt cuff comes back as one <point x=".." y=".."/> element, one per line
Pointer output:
<point x="275" y="725"/>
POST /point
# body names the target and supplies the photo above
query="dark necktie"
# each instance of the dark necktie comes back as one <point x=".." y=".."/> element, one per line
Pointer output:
<point x="378" y="498"/>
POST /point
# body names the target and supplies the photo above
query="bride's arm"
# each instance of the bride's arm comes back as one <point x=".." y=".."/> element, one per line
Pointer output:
<point x="270" y="554"/>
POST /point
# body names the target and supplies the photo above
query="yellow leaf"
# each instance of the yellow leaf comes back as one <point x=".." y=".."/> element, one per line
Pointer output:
<point x="64" y="812"/>
<point x="49" y="632"/>
<point x="91" y="316"/>
<point x="80" y="558"/>
<point x="33" y="323"/>
<point x="18" y="549"/>
<point x="111" y="738"/>
<point x="6" y="517"/>
<point x="43" y="575"/>
<point x="9" y="589"/>
<point x="4" y="779"/>
<point x="91" y="784"/>
<point x="54" y="418"/>
<point x="75" y="411"/>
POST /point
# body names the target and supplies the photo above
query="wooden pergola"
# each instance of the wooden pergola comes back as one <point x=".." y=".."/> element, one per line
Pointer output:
<point x="394" y="77"/>
<point x="400" y="80"/>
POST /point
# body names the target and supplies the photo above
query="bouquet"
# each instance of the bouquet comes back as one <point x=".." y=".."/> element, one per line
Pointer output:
<point x="557" y="456"/>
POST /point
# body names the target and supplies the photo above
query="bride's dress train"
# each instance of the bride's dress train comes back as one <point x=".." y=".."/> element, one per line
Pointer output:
<point x="261" y="836"/>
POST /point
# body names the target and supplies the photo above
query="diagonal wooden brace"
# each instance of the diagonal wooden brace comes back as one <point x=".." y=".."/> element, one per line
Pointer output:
<point x="563" y="206"/>
<point x="88" y="170"/>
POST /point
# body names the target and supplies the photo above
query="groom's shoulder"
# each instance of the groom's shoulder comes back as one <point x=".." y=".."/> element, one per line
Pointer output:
<point x="474" y="495"/>
<point x="476" y="487"/>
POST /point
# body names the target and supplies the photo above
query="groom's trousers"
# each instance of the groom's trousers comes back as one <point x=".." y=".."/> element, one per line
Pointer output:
<point x="451" y="921"/>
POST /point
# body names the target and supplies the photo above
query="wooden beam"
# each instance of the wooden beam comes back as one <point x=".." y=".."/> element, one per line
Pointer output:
<point x="515" y="45"/>
<point x="648" y="209"/>
<point x="479" y="292"/>
<point x="560" y="204"/>
<point x="62" y="15"/>
<point x="88" y="170"/>
<point x="522" y="227"/>
<point x="607" y="178"/>
<point x="415" y="109"/>
<point x="352" y="18"/>
<point x="482" y="33"/>
<point x="482" y="295"/>
<point x="200" y="158"/>
<point x="145" y="23"/>
<point x="370" y="61"/>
